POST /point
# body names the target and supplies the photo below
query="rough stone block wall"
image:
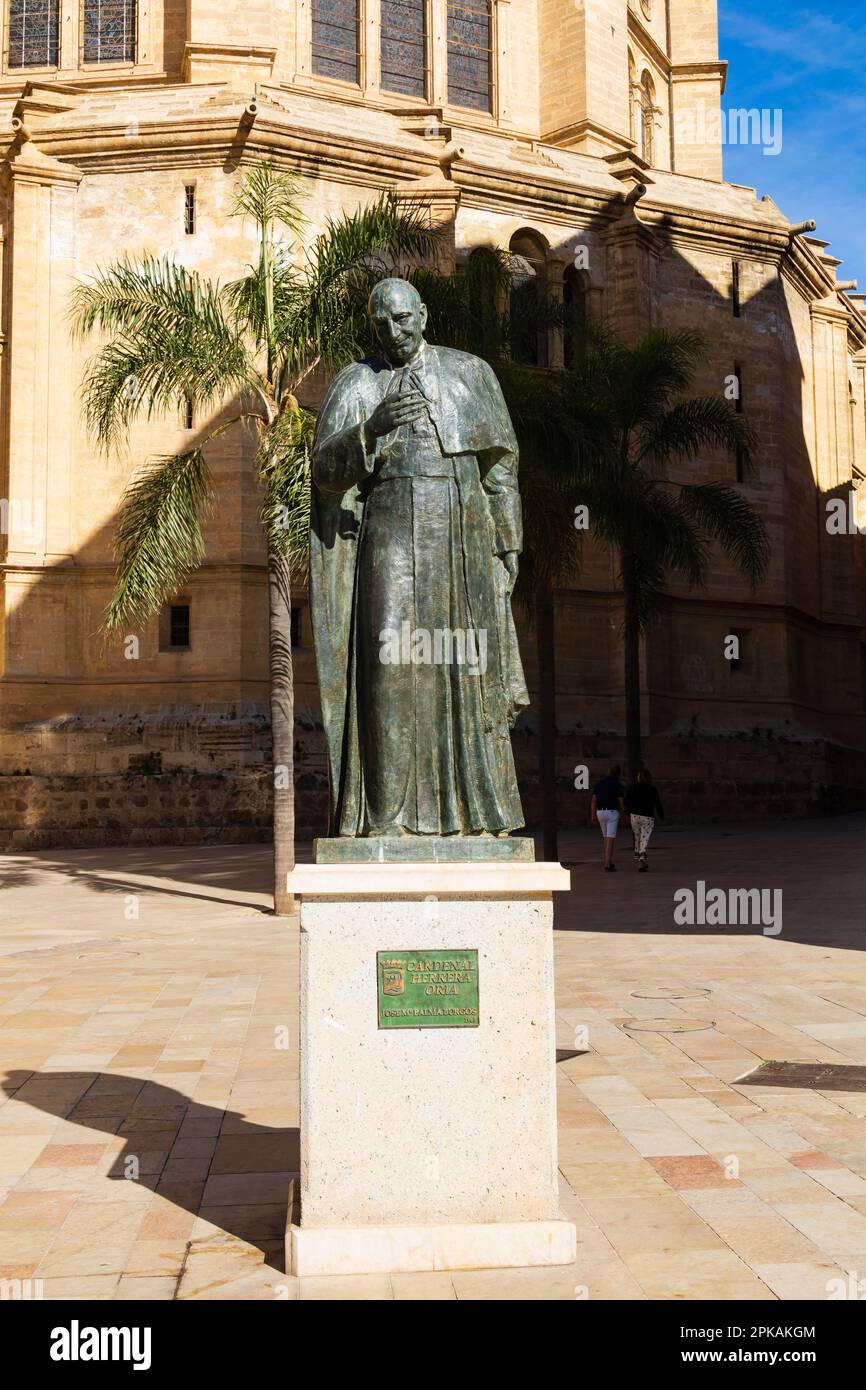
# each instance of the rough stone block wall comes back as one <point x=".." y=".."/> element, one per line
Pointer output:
<point x="702" y="779"/>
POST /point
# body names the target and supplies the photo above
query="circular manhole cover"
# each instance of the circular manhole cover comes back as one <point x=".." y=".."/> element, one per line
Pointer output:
<point x="667" y="1025"/>
<point x="672" y="992"/>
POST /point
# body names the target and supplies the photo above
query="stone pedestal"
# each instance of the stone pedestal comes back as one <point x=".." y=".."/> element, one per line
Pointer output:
<point x="428" y="1107"/>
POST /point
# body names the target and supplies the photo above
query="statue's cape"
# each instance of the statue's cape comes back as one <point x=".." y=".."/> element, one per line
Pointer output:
<point x="469" y="415"/>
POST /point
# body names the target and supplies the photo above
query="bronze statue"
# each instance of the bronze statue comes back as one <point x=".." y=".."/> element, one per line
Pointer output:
<point x="415" y="536"/>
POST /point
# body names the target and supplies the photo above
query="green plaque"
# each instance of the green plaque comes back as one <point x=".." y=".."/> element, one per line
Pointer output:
<point x="428" y="989"/>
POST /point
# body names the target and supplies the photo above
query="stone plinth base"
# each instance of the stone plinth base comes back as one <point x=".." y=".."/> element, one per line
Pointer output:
<point x="428" y="1087"/>
<point x="441" y="849"/>
<point x="410" y="1249"/>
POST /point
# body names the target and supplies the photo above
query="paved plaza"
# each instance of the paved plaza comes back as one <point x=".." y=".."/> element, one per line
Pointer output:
<point x="148" y="1036"/>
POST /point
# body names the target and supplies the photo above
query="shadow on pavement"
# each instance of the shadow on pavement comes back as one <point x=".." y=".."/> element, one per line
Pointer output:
<point x="210" y="1162"/>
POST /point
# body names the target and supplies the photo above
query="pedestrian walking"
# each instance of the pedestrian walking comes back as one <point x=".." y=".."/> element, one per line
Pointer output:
<point x="643" y="805"/>
<point x="607" y="806"/>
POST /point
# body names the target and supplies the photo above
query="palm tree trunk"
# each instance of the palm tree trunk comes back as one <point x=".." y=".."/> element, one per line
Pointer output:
<point x="282" y="727"/>
<point x="632" y="665"/>
<point x="545" y="639"/>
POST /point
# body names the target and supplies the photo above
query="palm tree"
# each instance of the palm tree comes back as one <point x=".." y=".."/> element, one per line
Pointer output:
<point x="239" y="351"/>
<point x="628" y="402"/>
<point x="486" y="309"/>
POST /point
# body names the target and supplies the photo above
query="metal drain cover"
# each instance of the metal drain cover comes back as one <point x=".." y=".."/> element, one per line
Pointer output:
<point x="674" y="992"/>
<point x="667" y="1025"/>
<point x="106" y="955"/>
<point x="812" y="1076"/>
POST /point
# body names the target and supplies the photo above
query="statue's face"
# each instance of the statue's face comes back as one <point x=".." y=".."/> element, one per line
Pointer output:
<point x="398" y="318"/>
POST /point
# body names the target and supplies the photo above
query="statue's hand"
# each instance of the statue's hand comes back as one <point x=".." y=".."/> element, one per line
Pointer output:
<point x="392" y="412"/>
<point x="510" y="561"/>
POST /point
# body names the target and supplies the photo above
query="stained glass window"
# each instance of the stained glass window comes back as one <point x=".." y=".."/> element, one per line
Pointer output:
<point x="335" y="39"/>
<point x="33" y="30"/>
<point x="470" y="52"/>
<point x="404" y="46"/>
<point x="109" y="31"/>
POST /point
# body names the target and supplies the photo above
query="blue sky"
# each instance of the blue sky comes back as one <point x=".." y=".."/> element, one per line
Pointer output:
<point x="811" y="63"/>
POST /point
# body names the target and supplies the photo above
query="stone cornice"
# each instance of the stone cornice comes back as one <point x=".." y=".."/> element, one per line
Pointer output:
<point x="208" y="139"/>
<point x="71" y="146"/>
<point x="700" y="72"/>
<point x="202" y="60"/>
<point x="564" y="135"/>
<point x="651" y="47"/>
<point x="29" y="164"/>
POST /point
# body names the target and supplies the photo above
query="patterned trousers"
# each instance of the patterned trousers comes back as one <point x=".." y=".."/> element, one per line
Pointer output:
<point x="642" y="827"/>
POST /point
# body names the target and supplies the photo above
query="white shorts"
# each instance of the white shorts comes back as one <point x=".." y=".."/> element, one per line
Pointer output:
<point x="608" y="820"/>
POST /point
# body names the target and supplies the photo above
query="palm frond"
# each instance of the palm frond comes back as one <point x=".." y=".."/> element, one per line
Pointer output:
<point x="651" y="587"/>
<point x="247" y="298"/>
<point x="158" y="538"/>
<point x="269" y="195"/>
<point x="667" y="537"/>
<point x="327" y="319"/>
<point x="693" y="425"/>
<point x="173" y="339"/>
<point x="729" y="518"/>
<point x="645" y="379"/>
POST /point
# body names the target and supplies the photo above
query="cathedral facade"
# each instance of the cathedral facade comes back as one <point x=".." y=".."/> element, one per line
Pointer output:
<point x="583" y="136"/>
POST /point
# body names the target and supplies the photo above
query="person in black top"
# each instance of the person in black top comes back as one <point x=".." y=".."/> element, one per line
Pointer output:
<point x="643" y="804"/>
<point x="607" y="806"/>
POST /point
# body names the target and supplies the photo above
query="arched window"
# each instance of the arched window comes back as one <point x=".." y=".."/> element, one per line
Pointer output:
<point x="33" y="30"/>
<point x="335" y="39"/>
<point x="109" y="31"/>
<point x="470" y="53"/>
<point x="647" y="122"/>
<point x="528" y="300"/>
<point x="404" y="47"/>
<point x="574" y="288"/>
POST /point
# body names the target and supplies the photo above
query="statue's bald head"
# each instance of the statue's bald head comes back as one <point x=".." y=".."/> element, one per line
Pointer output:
<point x="399" y="316"/>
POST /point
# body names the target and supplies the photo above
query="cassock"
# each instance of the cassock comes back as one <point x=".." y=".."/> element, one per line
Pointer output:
<point x="417" y="657"/>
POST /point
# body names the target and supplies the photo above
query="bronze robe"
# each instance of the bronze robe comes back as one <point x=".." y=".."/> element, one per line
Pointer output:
<point x="404" y="541"/>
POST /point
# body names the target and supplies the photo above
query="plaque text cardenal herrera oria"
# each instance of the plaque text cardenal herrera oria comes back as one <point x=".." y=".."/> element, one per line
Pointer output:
<point x="428" y="989"/>
<point x="436" y="973"/>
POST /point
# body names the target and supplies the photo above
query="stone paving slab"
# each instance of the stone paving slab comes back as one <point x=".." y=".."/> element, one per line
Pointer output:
<point x="148" y="1037"/>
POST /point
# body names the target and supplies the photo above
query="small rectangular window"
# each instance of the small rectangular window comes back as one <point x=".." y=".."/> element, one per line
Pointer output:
<point x="296" y="627"/>
<point x="739" y="456"/>
<point x="179" y="625"/>
<point x="735" y="288"/>
<point x="189" y="209"/>
<point x="174" y="626"/>
<point x="740" y="459"/>
<point x="335" y="39"/>
<point x="188" y="414"/>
